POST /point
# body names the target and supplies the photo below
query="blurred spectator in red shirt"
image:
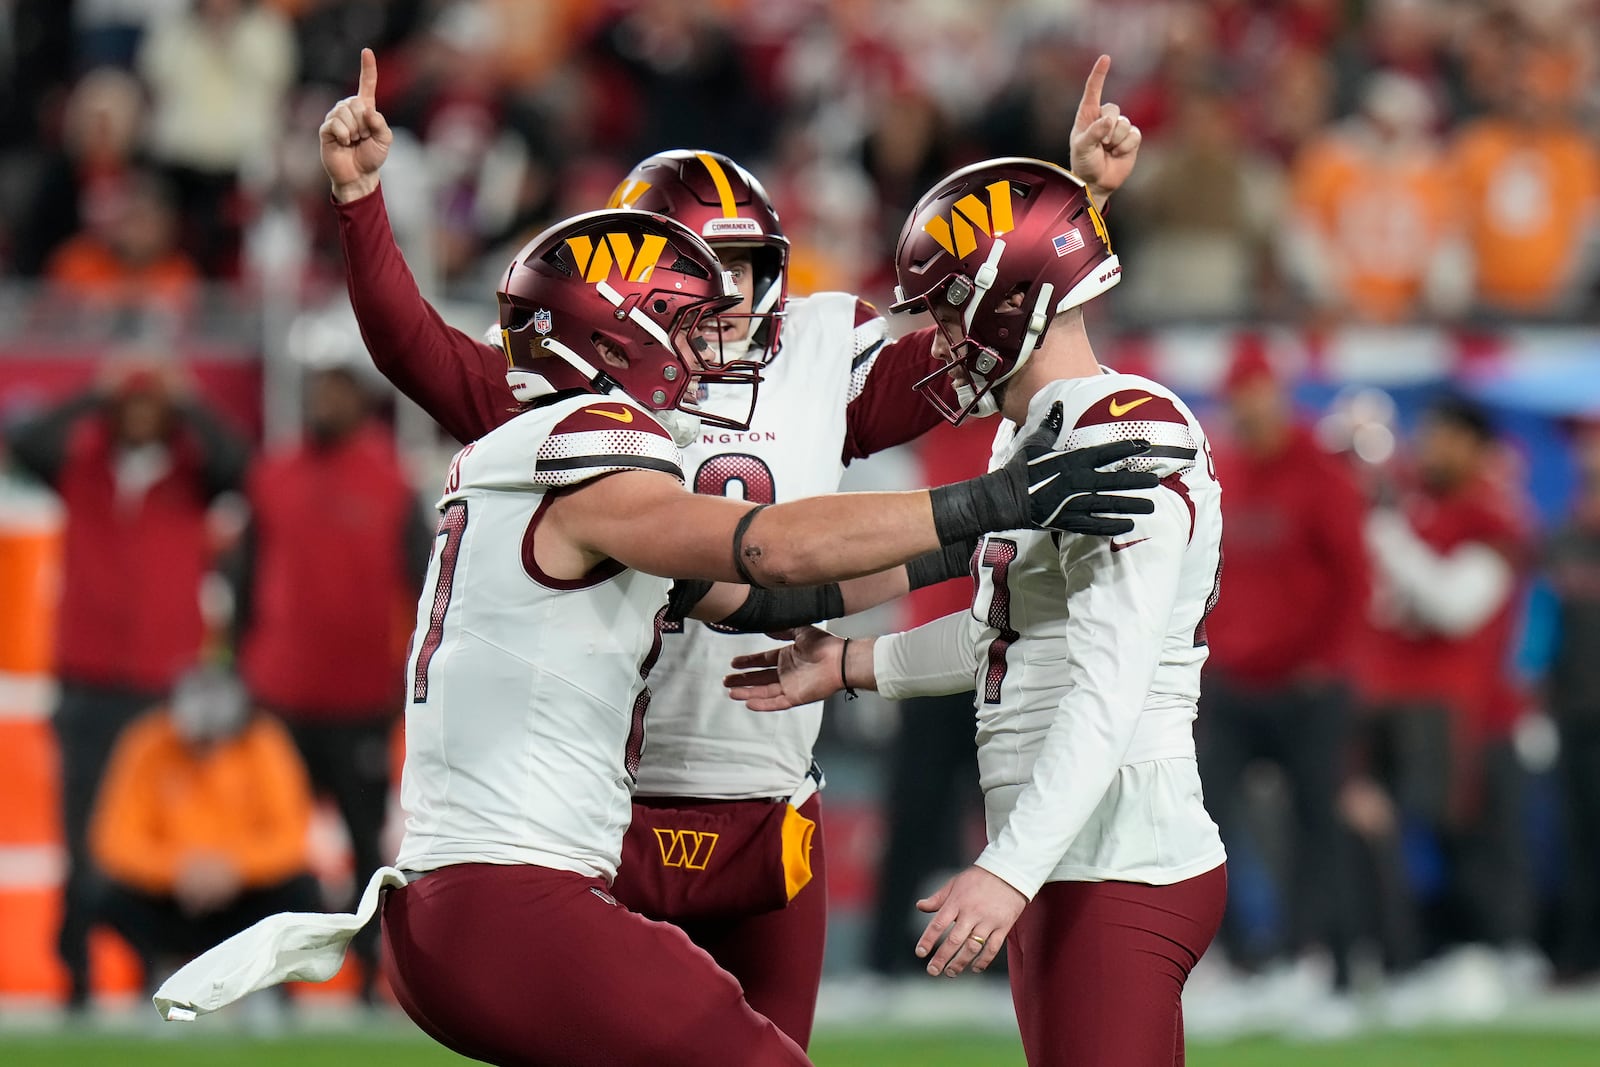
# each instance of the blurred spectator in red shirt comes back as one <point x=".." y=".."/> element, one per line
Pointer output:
<point x="1376" y="227"/>
<point x="333" y="558"/>
<point x="1293" y="594"/>
<point x="83" y="182"/>
<point x="201" y="827"/>
<point x="1447" y="555"/>
<point x="127" y="257"/>
<point x="1572" y="693"/>
<point x="136" y="463"/>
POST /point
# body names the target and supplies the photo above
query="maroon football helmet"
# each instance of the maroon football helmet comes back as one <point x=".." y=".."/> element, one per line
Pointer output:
<point x="726" y="205"/>
<point x="1003" y="246"/>
<point x="642" y="282"/>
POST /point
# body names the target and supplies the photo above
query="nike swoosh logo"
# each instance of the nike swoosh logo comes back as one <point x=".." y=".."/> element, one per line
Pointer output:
<point x="626" y="414"/>
<point x="1119" y="410"/>
<point x="1118" y="547"/>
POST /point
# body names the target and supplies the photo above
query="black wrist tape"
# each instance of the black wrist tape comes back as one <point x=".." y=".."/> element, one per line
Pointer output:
<point x="685" y="594"/>
<point x="967" y="510"/>
<point x="781" y="609"/>
<point x="951" y="561"/>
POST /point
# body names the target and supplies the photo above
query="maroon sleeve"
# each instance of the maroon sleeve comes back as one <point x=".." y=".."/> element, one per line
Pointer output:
<point x="456" y="379"/>
<point x="886" y="409"/>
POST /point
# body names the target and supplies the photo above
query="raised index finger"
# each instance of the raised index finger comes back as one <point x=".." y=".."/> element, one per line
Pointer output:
<point x="368" y="88"/>
<point x="1089" y="107"/>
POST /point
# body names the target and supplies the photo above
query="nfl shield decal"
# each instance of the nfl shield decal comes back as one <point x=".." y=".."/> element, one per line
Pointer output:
<point x="541" y="321"/>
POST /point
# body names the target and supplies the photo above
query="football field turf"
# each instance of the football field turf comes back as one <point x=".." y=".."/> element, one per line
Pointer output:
<point x="1464" y="1049"/>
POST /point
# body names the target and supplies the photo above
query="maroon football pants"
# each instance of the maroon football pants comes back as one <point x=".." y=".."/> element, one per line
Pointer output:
<point x="1097" y="969"/>
<point x="526" y="966"/>
<point x="775" y="954"/>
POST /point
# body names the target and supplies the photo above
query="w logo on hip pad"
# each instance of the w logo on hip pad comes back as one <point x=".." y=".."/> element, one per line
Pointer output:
<point x="596" y="260"/>
<point x="958" y="234"/>
<point x="690" y="849"/>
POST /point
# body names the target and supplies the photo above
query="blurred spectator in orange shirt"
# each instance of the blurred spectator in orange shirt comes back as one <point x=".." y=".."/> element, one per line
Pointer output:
<point x="1375" y="231"/>
<point x="201" y="826"/>
<point x="1530" y="178"/>
<point x="127" y="257"/>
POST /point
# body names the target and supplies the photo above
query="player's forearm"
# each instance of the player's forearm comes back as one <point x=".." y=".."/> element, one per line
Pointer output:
<point x="834" y="538"/>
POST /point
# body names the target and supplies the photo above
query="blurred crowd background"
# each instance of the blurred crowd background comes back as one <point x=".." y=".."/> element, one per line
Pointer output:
<point x="1361" y="237"/>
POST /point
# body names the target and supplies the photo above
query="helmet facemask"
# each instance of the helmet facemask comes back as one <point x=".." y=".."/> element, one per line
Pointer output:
<point x="975" y="369"/>
<point x="763" y="319"/>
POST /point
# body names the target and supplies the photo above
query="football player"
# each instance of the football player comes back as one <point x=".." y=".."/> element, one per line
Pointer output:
<point x="542" y="618"/>
<point x="835" y="388"/>
<point x="1104" y="875"/>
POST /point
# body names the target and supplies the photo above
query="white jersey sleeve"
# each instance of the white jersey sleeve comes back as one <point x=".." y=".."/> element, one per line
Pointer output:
<point x="935" y="659"/>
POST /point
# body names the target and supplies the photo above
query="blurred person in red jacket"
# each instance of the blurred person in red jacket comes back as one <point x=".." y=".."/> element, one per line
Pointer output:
<point x="137" y="461"/>
<point x="1282" y="638"/>
<point x="201" y="826"/>
<point x="1440" y="704"/>
<point x="332" y="559"/>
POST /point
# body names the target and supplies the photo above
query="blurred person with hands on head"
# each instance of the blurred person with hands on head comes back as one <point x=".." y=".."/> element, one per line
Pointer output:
<point x="136" y="460"/>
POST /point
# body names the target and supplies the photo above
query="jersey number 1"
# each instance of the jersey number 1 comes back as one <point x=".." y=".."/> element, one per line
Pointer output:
<point x="452" y="525"/>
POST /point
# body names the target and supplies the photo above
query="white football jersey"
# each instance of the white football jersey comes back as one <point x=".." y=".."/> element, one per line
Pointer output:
<point x="1086" y="653"/>
<point x="701" y="743"/>
<point x="527" y="695"/>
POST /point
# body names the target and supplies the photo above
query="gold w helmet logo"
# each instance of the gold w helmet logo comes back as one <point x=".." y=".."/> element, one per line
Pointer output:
<point x="958" y="234"/>
<point x="689" y="849"/>
<point x="595" y="259"/>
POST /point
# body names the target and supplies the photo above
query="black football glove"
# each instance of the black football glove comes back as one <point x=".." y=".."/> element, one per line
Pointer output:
<point x="1045" y="487"/>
